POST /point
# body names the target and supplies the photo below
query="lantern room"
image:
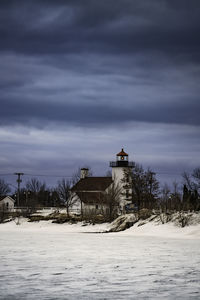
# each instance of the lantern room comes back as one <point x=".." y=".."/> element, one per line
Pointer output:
<point x="121" y="160"/>
<point x="122" y="156"/>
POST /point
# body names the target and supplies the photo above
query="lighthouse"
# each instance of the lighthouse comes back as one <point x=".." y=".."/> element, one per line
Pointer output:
<point x="119" y="168"/>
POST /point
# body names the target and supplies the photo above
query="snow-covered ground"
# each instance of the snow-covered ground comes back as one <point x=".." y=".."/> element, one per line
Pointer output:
<point x="168" y="230"/>
<point x="61" y="261"/>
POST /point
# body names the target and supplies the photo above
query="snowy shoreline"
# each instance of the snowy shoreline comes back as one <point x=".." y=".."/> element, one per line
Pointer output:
<point x="150" y="229"/>
<point x="44" y="260"/>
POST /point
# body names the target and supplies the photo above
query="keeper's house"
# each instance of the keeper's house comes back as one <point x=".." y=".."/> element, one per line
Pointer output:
<point x="91" y="192"/>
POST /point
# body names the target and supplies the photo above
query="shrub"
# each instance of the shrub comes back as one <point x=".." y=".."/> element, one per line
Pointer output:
<point x="145" y="213"/>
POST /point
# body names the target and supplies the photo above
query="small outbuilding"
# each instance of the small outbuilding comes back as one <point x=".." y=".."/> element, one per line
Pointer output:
<point x="7" y="203"/>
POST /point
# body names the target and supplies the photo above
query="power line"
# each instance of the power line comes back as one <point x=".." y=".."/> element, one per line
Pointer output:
<point x="6" y="174"/>
<point x="47" y="175"/>
<point x="26" y="174"/>
<point x="69" y="176"/>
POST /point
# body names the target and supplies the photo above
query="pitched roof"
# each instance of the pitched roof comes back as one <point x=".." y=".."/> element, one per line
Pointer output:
<point x="4" y="197"/>
<point x="122" y="153"/>
<point x="92" y="184"/>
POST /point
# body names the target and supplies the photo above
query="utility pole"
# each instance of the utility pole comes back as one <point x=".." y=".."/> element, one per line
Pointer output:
<point x="18" y="184"/>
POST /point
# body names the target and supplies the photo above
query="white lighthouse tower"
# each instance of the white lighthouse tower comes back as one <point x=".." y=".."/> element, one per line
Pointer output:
<point x="118" y="175"/>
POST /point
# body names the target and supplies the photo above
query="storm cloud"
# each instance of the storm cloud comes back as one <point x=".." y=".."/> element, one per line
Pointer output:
<point x="114" y="71"/>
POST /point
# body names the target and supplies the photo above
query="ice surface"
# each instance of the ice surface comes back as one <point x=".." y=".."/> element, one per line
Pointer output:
<point x="53" y="261"/>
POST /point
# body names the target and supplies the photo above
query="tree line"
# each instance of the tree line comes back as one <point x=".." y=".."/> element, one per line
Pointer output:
<point x="36" y="193"/>
<point x="146" y="191"/>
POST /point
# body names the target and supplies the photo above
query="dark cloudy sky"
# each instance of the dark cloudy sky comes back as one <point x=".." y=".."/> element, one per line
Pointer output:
<point x="80" y="79"/>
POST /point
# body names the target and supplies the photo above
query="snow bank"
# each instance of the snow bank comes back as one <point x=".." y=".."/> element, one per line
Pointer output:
<point x="48" y="226"/>
<point x="123" y="222"/>
<point x="152" y="228"/>
<point x="176" y="225"/>
<point x="168" y="230"/>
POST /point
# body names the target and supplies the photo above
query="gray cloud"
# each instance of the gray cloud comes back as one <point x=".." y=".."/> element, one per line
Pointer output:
<point x="38" y="114"/>
<point x="100" y="66"/>
<point x="40" y="27"/>
<point x="36" y="92"/>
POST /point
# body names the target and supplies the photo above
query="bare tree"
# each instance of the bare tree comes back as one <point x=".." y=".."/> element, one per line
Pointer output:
<point x="38" y="192"/>
<point x="152" y="188"/>
<point x="35" y="186"/>
<point x="196" y="177"/>
<point x="64" y="192"/>
<point x="192" y="181"/>
<point x="136" y="184"/>
<point x="4" y="188"/>
<point x="191" y="190"/>
<point x="165" y="198"/>
<point x="188" y="180"/>
<point x="144" y="186"/>
<point x="175" y="197"/>
<point x="112" y="197"/>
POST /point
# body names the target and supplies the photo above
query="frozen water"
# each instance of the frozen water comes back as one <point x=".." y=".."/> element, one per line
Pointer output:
<point x="63" y="265"/>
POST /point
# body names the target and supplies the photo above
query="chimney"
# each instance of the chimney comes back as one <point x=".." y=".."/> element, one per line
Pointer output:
<point x="84" y="173"/>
